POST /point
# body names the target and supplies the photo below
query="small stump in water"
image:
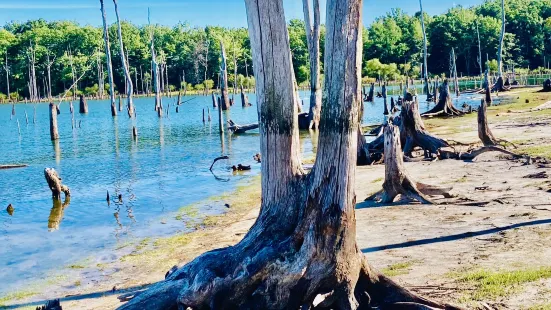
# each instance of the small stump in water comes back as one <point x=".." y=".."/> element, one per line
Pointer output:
<point x="54" y="183"/>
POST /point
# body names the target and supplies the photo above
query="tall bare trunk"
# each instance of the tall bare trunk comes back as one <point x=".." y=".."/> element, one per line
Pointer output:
<point x="129" y="89"/>
<point x="108" y="55"/>
<point x="501" y="38"/>
<point x="455" y="78"/>
<point x="7" y="69"/>
<point x="425" y="67"/>
<point x="312" y="39"/>
<point x="224" y="79"/>
<point x="154" y="66"/>
<point x="479" y="52"/>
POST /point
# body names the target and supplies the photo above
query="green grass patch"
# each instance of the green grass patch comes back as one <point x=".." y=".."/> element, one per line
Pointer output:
<point x="490" y="285"/>
<point x="377" y="180"/>
<point x="15" y="296"/>
<point x="541" y="307"/>
<point x="398" y="269"/>
<point x="536" y="150"/>
<point x="463" y="179"/>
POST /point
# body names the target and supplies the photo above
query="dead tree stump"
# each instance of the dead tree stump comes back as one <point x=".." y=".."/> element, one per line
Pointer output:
<point x="53" y="122"/>
<point x="370" y="96"/>
<point x="384" y="99"/>
<point x="244" y="99"/>
<point x="113" y="108"/>
<point x="83" y="109"/>
<point x="415" y="132"/>
<point x="484" y="132"/>
<point x="397" y="181"/>
<point x="445" y="106"/>
<point x="547" y="85"/>
<point x="54" y="183"/>
<point x="487" y="90"/>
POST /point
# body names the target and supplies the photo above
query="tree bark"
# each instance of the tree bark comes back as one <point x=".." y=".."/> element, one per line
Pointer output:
<point x="108" y="60"/>
<point x="312" y="39"/>
<point x="484" y="132"/>
<point x="303" y="243"/>
<point x="54" y="135"/>
<point x="224" y="79"/>
<point x="129" y="89"/>
<point x="155" y="67"/>
<point x="444" y="107"/>
<point x="425" y="68"/>
<point x="415" y="132"/>
<point x="54" y="183"/>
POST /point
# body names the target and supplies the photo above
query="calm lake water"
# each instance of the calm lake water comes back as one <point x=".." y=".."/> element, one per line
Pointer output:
<point x="167" y="168"/>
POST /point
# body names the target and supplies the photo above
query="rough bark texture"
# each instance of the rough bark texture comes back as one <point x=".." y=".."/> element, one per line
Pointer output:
<point x="415" y="133"/>
<point x="108" y="60"/>
<point x="484" y="132"/>
<point x="444" y="107"/>
<point x="224" y="79"/>
<point x="54" y="183"/>
<point x="129" y="87"/>
<point x="313" y="38"/>
<point x="303" y="243"/>
<point x="397" y="181"/>
<point x="54" y="135"/>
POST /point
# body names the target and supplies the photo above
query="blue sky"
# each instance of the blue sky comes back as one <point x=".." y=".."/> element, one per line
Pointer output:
<point x="229" y="13"/>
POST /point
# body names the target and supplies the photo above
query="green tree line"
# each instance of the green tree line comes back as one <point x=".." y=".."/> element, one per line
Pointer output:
<point x="392" y="48"/>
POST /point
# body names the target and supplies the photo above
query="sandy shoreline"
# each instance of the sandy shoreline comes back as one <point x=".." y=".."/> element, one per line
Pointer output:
<point x="447" y="252"/>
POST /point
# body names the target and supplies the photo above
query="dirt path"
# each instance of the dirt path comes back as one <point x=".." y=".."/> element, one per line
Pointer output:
<point x="494" y="254"/>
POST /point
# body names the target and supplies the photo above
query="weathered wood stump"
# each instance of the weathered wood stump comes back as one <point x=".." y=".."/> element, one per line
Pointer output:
<point x="397" y="181"/>
<point x="54" y="135"/>
<point x="54" y="183"/>
<point x="244" y="99"/>
<point x="445" y="106"/>
<point x="547" y="85"/>
<point x="484" y="132"/>
<point x="113" y="108"/>
<point x="415" y="132"/>
<point x="370" y="96"/>
<point x="83" y="107"/>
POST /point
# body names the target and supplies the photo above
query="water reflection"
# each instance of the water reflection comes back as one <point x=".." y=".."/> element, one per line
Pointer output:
<point x="56" y="214"/>
<point x="57" y="151"/>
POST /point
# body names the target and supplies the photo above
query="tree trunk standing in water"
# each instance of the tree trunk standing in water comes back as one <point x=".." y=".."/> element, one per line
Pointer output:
<point x="54" y="135"/>
<point x="224" y="79"/>
<point x="499" y="86"/>
<point x="154" y="66"/>
<point x="83" y="106"/>
<point x="425" y="68"/>
<point x="108" y="59"/>
<point x="455" y="79"/>
<point x="313" y="41"/>
<point x="303" y="243"/>
<point x="128" y="78"/>
<point x="234" y="71"/>
<point x="7" y="69"/>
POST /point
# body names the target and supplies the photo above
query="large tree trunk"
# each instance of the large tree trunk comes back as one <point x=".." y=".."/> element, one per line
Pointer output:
<point x="224" y="79"/>
<point x="415" y="133"/>
<point x="107" y="60"/>
<point x="129" y="89"/>
<point x="303" y="243"/>
<point x="313" y="38"/>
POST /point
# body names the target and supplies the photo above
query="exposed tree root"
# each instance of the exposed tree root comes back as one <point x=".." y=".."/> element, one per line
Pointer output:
<point x="397" y="181"/>
<point x="445" y="106"/>
<point x="472" y="154"/>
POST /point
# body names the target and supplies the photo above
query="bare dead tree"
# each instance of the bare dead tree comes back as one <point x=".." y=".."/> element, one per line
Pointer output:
<point x="154" y="65"/>
<point x="425" y="52"/>
<point x="455" y="78"/>
<point x="303" y="243"/>
<point x="500" y="84"/>
<point x="7" y="69"/>
<point x="312" y="40"/>
<point x="49" y="65"/>
<point x="108" y="60"/>
<point x="129" y="89"/>
<point x="224" y="79"/>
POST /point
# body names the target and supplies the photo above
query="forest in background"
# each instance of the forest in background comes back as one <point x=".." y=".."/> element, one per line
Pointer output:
<point x="392" y="49"/>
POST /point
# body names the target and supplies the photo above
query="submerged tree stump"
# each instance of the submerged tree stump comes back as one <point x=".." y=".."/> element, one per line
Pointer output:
<point x="83" y="107"/>
<point x="54" y="183"/>
<point x="484" y="132"/>
<point x="371" y="95"/>
<point x="113" y="108"/>
<point x="54" y="135"/>
<point x="244" y="99"/>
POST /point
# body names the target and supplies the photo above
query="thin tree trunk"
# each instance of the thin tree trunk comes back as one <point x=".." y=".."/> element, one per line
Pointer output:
<point x="54" y="135"/>
<point x="224" y="79"/>
<point x="501" y="38"/>
<point x="154" y="66"/>
<point x="129" y="89"/>
<point x="7" y="69"/>
<point x="313" y="38"/>
<point x="425" y="68"/>
<point x="108" y="56"/>
<point x="479" y="51"/>
<point x="455" y="79"/>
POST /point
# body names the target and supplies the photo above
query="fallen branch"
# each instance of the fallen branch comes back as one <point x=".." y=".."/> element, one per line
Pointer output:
<point x="12" y="166"/>
<point x="217" y="159"/>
